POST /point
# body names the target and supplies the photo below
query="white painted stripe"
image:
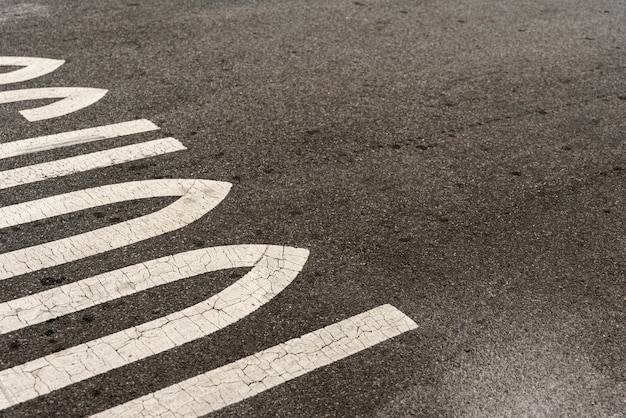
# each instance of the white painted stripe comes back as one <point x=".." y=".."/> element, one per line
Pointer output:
<point x="83" y="136"/>
<point x="33" y="68"/>
<point x="266" y="369"/>
<point x="197" y="198"/>
<point x="100" y="159"/>
<point x="274" y="269"/>
<point x="73" y="99"/>
<point x="83" y="294"/>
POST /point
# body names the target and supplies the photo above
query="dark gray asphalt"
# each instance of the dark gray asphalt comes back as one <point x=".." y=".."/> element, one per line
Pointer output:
<point x="462" y="161"/>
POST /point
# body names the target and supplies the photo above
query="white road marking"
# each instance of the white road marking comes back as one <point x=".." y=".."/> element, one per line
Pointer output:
<point x="73" y="99"/>
<point x="274" y="269"/>
<point x="38" y="172"/>
<point x="83" y="136"/>
<point x="197" y="198"/>
<point x="33" y="68"/>
<point x="83" y="294"/>
<point x="266" y="369"/>
<point x="48" y="207"/>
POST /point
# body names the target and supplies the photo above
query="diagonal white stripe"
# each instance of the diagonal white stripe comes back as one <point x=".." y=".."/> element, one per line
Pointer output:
<point x="266" y="369"/>
<point x="72" y="165"/>
<point x="82" y="136"/>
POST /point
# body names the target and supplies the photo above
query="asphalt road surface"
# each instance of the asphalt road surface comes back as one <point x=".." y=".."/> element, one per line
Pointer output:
<point x="330" y="208"/>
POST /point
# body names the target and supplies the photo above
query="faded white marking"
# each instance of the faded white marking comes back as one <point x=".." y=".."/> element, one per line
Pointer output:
<point x="73" y="99"/>
<point x="266" y="369"/>
<point x="78" y="164"/>
<point x="197" y="198"/>
<point x="275" y="267"/>
<point x="22" y="10"/>
<point x="53" y="303"/>
<point x="83" y="136"/>
<point x="33" y="68"/>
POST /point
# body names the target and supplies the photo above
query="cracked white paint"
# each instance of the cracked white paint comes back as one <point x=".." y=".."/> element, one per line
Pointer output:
<point x="83" y="294"/>
<point x="32" y="68"/>
<point x="197" y="198"/>
<point x="48" y="207"/>
<point x="275" y="267"/>
<point x="38" y="172"/>
<point x="73" y="99"/>
<point x="82" y="136"/>
<point x="259" y="372"/>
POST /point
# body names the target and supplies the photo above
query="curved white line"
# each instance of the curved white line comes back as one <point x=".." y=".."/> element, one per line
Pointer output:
<point x="275" y="269"/>
<point x="48" y="207"/>
<point x="73" y="99"/>
<point x="197" y="198"/>
<point x="66" y="166"/>
<point x="83" y="294"/>
<point x="33" y="68"/>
